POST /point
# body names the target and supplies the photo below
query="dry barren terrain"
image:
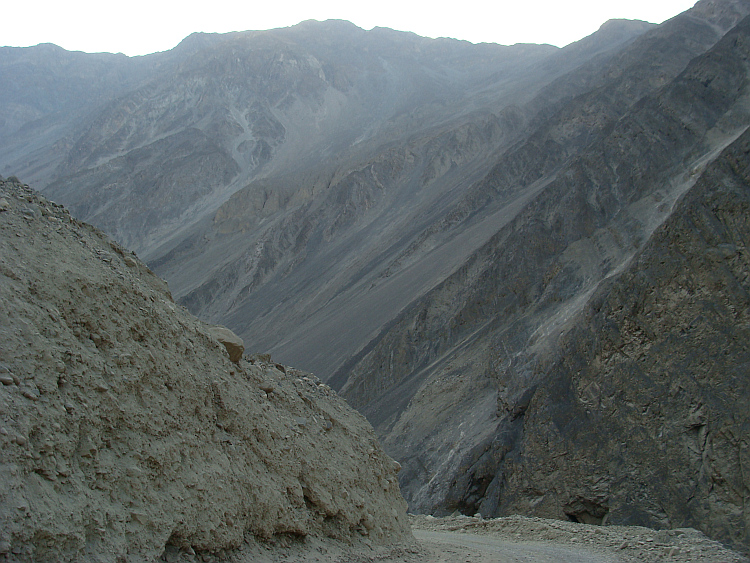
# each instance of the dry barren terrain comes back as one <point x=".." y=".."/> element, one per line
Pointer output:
<point x="513" y="539"/>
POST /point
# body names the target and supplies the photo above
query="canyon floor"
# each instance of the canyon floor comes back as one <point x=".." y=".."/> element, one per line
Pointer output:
<point x="513" y="539"/>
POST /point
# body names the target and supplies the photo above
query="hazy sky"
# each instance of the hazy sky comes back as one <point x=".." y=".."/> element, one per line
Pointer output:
<point x="137" y="27"/>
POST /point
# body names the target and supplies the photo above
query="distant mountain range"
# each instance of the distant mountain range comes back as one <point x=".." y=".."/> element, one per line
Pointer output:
<point x="484" y="248"/>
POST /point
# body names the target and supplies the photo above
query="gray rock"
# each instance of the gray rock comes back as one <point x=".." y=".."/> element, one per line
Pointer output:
<point x="233" y="343"/>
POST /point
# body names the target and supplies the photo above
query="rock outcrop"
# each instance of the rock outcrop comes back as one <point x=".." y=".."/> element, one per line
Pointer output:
<point x="643" y="415"/>
<point x="126" y="430"/>
<point x="233" y="343"/>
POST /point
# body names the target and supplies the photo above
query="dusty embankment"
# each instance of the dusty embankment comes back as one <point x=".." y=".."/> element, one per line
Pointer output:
<point x="129" y="434"/>
<point x="518" y="538"/>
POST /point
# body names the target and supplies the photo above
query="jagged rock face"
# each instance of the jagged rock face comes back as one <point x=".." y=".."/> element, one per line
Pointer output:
<point x="643" y="416"/>
<point x="450" y="384"/>
<point x="125" y="426"/>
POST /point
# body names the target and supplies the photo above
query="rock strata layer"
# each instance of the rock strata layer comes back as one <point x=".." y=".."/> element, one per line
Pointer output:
<point x="126" y="430"/>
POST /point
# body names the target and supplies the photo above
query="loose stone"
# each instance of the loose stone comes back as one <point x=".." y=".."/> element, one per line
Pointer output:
<point x="29" y="394"/>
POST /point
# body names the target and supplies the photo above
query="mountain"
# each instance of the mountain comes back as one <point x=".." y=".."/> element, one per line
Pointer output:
<point x="291" y="125"/>
<point x="450" y="384"/>
<point x="426" y="225"/>
<point x="47" y="94"/>
<point x="129" y="433"/>
<point x="329" y="233"/>
<point x="257" y="105"/>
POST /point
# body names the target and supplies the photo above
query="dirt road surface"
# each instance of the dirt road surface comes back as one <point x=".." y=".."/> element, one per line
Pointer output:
<point x="518" y="539"/>
<point x="453" y="546"/>
<point x="514" y="539"/>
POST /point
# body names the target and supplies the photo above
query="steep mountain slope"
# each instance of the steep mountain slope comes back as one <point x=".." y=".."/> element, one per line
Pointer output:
<point x="448" y="384"/>
<point x="333" y="136"/>
<point x="48" y="94"/>
<point x="125" y="429"/>
<point x="299" y="253"/>
<point x="260" y="104"/>
<point x="643" y="414"/>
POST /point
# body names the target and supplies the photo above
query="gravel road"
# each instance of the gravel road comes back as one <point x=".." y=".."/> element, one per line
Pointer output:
<point x="514" y="539"/>
<point x="519" y="539"/>
<point x="454" y="546"/>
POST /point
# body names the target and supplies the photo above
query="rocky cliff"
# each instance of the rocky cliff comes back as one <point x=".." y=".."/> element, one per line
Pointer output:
<point x="127" y="430"/>
<point x="642" y="415"/>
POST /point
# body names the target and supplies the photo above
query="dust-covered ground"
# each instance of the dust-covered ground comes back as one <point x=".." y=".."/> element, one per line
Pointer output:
<point x="129" y="432"/>
<point x="513" y="539"/>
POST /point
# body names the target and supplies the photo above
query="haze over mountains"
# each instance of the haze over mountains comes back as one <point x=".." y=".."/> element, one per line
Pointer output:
<point x="328" y="131"/>
<point x="485" y="248"/>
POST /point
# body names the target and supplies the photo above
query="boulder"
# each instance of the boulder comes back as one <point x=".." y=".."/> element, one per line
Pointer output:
<point x="233" y="343"/>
